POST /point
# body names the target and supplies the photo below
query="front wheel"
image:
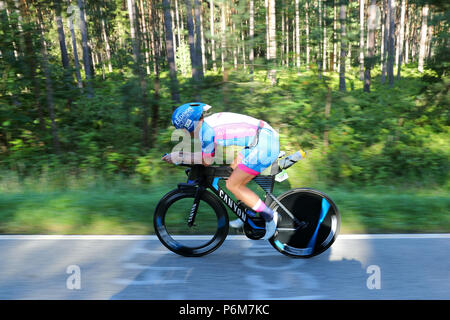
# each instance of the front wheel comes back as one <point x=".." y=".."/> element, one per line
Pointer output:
<point x="171" y="217"/>
<point x="316" y="228"/>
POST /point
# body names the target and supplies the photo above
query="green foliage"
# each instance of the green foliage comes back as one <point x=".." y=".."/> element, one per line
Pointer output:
<point x="391" y="136"/>
<point x="95" y="205"/>
<point x="395" y="136"/>
<point x="183" y="59"/>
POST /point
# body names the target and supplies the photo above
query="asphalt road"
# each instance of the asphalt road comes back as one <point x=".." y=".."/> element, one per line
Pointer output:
<point x="139" y="267"/>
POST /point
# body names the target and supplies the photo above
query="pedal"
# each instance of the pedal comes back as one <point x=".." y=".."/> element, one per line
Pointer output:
<point x="254" y="233"/>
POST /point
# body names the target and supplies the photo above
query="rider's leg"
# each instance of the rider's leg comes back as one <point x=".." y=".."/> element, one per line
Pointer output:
<point x="237" y="184"/>
<point x="250" y="163"/>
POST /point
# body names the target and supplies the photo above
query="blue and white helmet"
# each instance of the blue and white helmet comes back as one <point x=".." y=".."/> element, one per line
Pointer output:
<point x="187" y="115"/>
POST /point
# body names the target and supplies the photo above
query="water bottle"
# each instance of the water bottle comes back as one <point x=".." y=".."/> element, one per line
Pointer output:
<point x="291" y="159"/>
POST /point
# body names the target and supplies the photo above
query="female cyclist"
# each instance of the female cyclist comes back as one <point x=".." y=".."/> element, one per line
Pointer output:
<point x="260" y="148"/>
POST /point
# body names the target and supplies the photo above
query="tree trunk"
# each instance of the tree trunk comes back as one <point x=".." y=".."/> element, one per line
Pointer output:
<point x="177" y="16"/>
<point x="156" y="85"/>
<point x="152" y="46"/>
<point x="174" y="31"/>
<point x="135" y="43"/>
<point x="287" y="36"/>
<point x="235" y="41"/>
<point x="251" y="35"/>
<point x="361" y="40"/>
<point x="223" y="40"/>
<point x="402" y="37"/>
<point x="191" y="40"/>
<point x="283" y="33"/>
<point x="371" y="27"/>
<point x="413" y="38"/>
<point x="198" y="38"/>
<point x="170" y="52"/>
<point x="48" y="83"/>
<point x="293" y="42"/>
<point x="213" y="44"/>
<point x="93" y="58"/>
<point x="144" y="32"/>
<point x="75" y="49"/>
<point x="387" y="19"/>
<point x="382" y="17"/>
<point x="243" y="47"/>
<point x="349" y="31"/>
<point x="133" y="34"/>
<point x="307" y="33"/>
<point x="324" y="45"/>
<point x="107" y="46"/>
<point x="272" y="49"/>
<point x="61" y="36"/>
<point x="319" y="49"/>
<point x="391" y="47"/>
<point x="266" y="6"/>
<point x="297" y="36"/>
<point x="407" y="24"/>
<point x="342" y="18"/>
<point x="13" y="31"/>
<point x="334" y="36"/>
<point x="86" y="53"/>
<point x="430" y="37"/>
<point x="30" y="58"/>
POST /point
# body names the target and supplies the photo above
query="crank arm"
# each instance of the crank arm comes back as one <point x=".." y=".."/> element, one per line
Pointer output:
<point x="300" y="224"/>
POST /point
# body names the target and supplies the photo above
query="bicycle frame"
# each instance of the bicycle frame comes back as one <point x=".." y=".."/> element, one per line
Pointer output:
<point x="200" y="178"/>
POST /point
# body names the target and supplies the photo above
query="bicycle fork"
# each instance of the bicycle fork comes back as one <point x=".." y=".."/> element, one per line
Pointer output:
<point x="194" y="208"/>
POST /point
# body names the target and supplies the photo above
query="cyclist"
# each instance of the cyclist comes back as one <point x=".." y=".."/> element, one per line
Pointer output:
<point x="260" y="148"/>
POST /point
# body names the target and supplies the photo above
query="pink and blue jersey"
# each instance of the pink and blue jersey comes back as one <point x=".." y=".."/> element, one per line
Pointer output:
<point x="233" y="129"/>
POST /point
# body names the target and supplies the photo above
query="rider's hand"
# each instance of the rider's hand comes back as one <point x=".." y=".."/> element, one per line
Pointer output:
<point x="167" y="158"/>
<point x="172" y="157"/>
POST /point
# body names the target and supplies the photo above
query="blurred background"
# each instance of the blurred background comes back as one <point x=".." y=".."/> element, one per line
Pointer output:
<point x="87" y="89"/>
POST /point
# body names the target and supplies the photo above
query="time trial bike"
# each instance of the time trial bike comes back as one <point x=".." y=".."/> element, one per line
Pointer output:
<point x="193" y="221"/>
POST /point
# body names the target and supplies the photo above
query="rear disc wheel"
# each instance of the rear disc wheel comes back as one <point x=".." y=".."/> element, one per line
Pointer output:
<point x="319" y="223"/>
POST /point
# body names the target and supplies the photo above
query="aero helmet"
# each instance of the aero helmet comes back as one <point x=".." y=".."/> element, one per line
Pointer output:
<point x="186" y="116"/>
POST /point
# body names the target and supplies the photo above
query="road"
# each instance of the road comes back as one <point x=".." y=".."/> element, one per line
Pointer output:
<point x="139" y="267"/>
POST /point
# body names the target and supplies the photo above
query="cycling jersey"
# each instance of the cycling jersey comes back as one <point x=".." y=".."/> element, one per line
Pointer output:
<point x="232" y="129"/>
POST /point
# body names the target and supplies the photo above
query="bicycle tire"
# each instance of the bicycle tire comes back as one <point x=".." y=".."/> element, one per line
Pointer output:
<point x="193" y="243"/>
<point x="316" y="236"/>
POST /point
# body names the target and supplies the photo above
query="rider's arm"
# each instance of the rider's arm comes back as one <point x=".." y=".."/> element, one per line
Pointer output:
<point x="208" y="146"/>
<point x="197" y="158"/>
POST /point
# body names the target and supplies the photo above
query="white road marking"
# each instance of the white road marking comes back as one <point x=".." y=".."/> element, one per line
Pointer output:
<point x="252" y="263"/>
<point x="143" y="267"/>
<point x="300" y="298"/>
<point x="230" y="237"/>
<point x="395" y="236"/>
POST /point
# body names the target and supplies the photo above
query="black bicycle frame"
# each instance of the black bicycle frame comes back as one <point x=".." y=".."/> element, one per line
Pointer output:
<point x="200" y="178"/>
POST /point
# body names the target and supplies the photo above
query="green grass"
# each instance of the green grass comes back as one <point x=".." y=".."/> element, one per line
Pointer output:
<point x="126" y="207"/>
<point x="392" y="211"/>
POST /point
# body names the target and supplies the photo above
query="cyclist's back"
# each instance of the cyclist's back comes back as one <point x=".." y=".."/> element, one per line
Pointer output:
<point x="231" y="128"/>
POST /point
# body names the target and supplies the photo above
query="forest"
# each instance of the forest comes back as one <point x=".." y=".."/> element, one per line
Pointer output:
<point x="87" y="90"/>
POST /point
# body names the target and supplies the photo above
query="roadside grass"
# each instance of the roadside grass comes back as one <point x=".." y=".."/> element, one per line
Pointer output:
<point x="126" y="207"/>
